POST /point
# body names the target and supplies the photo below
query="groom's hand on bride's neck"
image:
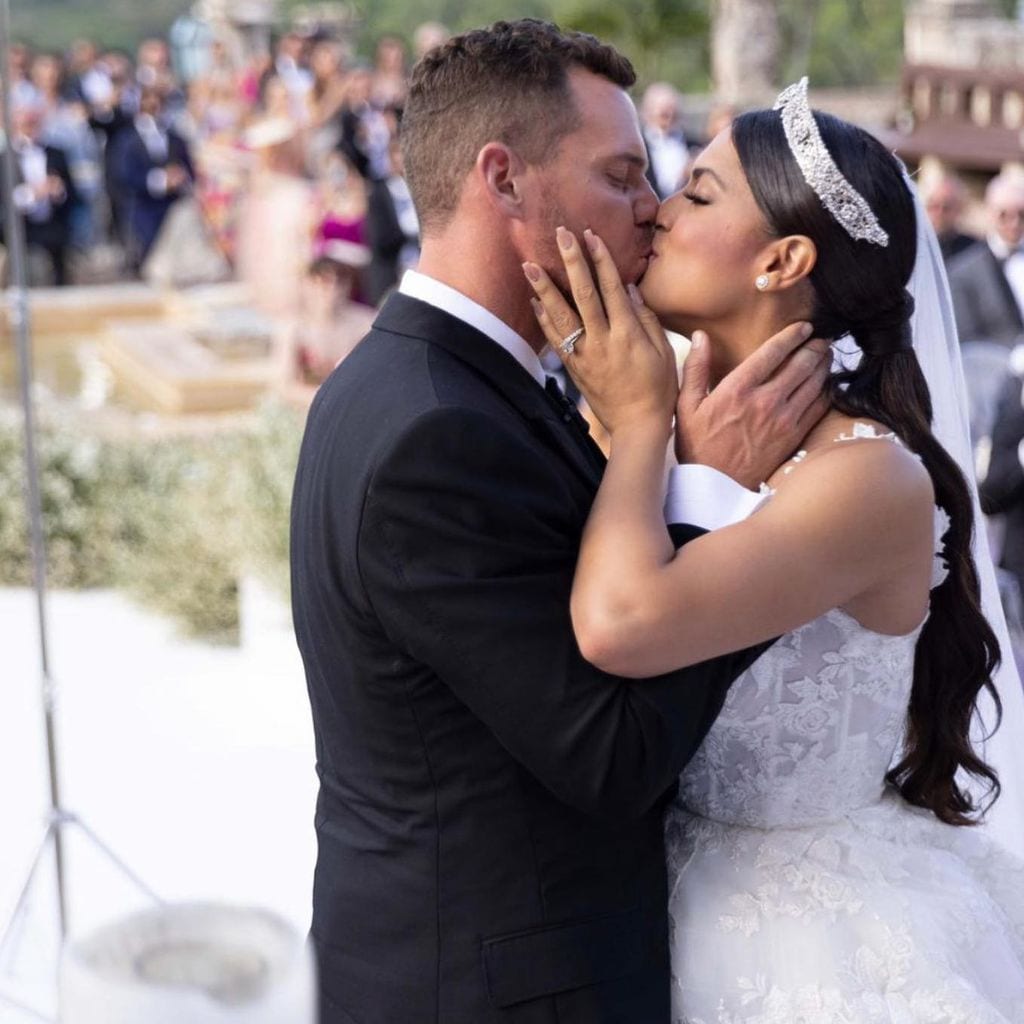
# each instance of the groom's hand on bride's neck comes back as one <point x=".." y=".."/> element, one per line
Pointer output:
<point x="756" y="417"/>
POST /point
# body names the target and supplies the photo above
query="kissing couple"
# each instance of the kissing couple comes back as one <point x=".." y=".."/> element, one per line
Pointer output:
<point x="602" y="741"/>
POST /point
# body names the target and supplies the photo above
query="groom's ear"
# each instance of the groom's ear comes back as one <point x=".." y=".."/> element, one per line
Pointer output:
<point x="791" y="260"/>
<point x="500" y="173"/>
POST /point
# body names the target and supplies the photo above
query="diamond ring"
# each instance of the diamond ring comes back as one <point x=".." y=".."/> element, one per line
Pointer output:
<point x="569" y="343"/>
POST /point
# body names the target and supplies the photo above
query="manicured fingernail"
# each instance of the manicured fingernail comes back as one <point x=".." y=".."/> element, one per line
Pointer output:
<point x="634" y="294"/>
<point x="592" y="241"/>
<point x="698" y="339"/>
<point x="532" y="271"/>
<point x="807" y="330"/>
<point x="564" y="238"/>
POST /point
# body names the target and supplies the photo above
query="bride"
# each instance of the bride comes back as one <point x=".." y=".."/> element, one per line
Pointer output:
<point x="822" y="864"/>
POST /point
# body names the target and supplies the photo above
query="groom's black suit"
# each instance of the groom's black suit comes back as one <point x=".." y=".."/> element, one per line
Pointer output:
<point x="489" y="819"/>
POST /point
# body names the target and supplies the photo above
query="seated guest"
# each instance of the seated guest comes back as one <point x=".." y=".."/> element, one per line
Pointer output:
<point x="944" y="199"/>
<point x="152" y="170"/>
<point x="987" y="280"/>
<point x="43" y="191"/>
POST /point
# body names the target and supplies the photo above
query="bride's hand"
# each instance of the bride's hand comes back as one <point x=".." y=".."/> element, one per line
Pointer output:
<point x="622" y="362"/>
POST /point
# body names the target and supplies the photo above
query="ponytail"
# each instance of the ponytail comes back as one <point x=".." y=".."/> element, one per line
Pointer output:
<point x="957" y="651"/>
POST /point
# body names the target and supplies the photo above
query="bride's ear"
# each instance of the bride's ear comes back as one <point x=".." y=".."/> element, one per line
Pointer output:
<point x="790" y="260"/>
<point x="499" y="171"/>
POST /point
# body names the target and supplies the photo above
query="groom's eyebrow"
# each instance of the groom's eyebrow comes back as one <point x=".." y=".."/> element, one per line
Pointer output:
<point x="699" y="172"/>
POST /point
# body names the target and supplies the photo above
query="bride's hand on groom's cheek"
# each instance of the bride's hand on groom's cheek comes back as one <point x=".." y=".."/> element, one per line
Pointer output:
<point x="758" y="414"/>
<point x="622" y="360"/>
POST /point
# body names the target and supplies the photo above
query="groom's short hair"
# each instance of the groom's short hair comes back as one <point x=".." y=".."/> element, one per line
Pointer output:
<point x="508" y="83"/>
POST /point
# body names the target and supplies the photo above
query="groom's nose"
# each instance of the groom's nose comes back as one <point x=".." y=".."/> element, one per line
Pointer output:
<point x="645" y="209"/>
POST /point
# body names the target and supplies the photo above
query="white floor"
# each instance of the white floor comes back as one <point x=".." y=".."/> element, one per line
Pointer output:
<point x="194" y="763"/>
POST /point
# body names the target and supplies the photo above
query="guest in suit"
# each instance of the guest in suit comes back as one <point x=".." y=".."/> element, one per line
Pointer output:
<point x="44" y="191"/>
<point x="152" y="170"/>
<point x="666" y="144"/>
<point x="392" y="229"/>
<point x="1002" y="489"/>
<point x="987" y="280"/>
<point x="944" y="198"/>
<point x="489" y="817"/>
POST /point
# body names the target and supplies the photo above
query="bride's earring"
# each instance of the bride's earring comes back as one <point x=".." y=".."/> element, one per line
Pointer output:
<point x="762" y="282"/>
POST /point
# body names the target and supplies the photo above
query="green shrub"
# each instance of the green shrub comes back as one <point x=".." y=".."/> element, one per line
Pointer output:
<point x="174" y="521"/>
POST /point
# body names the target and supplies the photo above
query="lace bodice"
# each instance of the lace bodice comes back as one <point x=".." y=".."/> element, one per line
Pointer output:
<point x="809" y="731"/>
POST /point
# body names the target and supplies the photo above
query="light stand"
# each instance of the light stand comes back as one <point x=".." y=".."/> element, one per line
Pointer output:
<point x="18" y="307"/>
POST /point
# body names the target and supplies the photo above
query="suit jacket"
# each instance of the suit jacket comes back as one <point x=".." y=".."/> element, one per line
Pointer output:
<point x="131" y="163"/>
<point x="386" y="238"/>
<point x="983" y="302"/>
<point x="1002" y="490"/>
<point x="52" y="233"/>
<point x="489" y="816"/>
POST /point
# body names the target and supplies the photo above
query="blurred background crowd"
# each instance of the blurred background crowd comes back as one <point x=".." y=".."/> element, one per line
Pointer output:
<point x="254" y="145"/>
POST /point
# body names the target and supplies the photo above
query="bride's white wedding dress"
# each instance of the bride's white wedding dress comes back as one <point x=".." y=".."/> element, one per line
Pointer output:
<point x="803" y="889"/>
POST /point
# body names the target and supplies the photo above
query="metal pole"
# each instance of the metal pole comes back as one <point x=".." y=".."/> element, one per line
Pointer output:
<point x="19" y="320"/>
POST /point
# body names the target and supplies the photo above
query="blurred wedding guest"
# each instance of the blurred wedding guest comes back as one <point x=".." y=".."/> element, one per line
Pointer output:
<point x="109" y="113"/>
<point x="667" y="154"/>
<point x="428" y="36"/>
<point x="255" y="69"/>
<point x="1002" y="488"/>
<point x="289" y="66"/>
<point x="945" y="198"/>
<point x="365" y="133"/>
<point x="86" y="78"/>
<point x="65" y="125"/>
<point x="987" y="280"/>
<point x="392" y="230"/>
<point x="330" y="323"/>
<point x="23" y="92"/>
<point x="277" y="218"/>
<point x="343" y="201"/>
<point x="153" y="67"/>
<point x="43" y="191"/>
<point x="152" y="169"/>
<point x="390" y="76"/>
<point x="327" y="92"/>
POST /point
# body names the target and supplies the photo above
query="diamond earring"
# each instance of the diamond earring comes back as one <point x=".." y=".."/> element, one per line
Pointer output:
<point x="762" y="282"/>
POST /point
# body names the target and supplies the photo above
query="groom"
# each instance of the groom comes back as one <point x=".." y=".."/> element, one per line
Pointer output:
<point x="489" y="818"/>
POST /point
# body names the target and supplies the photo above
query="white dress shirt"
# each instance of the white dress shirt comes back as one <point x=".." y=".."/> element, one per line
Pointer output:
<point x="697" y="495"/>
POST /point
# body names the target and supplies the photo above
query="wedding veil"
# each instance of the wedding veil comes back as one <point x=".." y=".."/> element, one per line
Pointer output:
<point x="938" y="351"/>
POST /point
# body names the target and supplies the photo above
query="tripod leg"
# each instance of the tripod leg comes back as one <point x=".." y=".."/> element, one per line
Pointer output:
<point x="113" y="857"/>
<point x="48" y="834"/>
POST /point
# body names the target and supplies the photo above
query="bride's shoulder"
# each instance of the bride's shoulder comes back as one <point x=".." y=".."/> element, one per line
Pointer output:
<point x="857" y="469"/>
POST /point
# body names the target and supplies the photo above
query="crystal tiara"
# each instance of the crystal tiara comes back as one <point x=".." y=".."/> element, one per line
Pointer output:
<point x="837" y="195"/>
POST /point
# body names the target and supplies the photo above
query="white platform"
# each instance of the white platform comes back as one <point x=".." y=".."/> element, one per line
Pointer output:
<point x="195" y="763"/>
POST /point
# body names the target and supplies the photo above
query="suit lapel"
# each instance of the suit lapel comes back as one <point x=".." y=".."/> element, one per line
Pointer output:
<point x="415" y="319"/>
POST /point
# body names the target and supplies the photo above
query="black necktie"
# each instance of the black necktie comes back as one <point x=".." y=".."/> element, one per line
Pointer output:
<point x="565" y="405"/>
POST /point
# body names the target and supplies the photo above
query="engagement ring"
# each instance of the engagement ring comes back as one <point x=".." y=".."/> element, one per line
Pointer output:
<point x="569" y="343"/>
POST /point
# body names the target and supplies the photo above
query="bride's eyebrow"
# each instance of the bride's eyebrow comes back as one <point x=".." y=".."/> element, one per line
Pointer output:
<point x="700" y="172"/>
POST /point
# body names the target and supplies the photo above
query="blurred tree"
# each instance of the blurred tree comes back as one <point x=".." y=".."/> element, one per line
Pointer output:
<point x="745" y="49"/>
<point x="663" y="38"/>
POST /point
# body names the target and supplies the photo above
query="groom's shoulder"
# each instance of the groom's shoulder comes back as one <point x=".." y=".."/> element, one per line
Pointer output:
<point x="391" y="381"/>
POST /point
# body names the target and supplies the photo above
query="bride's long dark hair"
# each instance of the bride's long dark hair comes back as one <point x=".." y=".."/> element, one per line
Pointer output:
<point x="860" y="290"/>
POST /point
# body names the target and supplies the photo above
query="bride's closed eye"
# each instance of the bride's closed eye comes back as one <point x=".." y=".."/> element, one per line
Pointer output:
<point x="696" y="199"/>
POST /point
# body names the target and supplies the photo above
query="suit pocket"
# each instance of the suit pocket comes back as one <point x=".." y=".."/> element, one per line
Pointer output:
<point x="557" y="958"/>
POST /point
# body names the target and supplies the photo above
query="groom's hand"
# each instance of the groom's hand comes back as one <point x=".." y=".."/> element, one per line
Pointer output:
<point x="759" y="413"/>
